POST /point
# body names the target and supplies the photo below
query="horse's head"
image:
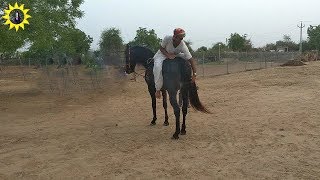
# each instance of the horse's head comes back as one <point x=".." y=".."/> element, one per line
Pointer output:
<point x="129" y="67"/>
<point x="130" y="63"/>
<point x="136" y="55"/>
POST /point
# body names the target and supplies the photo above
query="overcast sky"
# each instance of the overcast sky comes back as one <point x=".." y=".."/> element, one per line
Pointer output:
<point x="206" y="22"/>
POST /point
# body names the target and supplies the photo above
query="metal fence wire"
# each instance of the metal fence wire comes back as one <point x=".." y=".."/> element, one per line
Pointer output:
<point x="233" y="62"/>
<point x="62" y="79"/>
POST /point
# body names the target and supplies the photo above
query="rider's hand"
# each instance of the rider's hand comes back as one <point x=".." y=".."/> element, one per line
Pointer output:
<point x="171" y="56"/>
<point x="194" y="78"/>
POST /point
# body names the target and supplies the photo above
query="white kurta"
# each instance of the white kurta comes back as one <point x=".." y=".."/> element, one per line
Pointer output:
<point x="167" y="43"/>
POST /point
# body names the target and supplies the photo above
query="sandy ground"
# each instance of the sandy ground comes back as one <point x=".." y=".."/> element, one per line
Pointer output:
<point x="265" y="125"/>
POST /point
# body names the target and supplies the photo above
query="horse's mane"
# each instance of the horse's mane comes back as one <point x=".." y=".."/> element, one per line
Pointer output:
<point x="139" y="49"/>
<point x="138" y="54"/>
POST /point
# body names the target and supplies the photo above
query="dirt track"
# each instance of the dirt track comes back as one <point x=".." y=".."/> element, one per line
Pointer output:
<point x="265" y="125"/>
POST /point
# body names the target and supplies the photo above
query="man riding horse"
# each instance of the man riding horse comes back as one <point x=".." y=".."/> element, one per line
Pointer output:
<point x="174" y="76"/>
<point x="171" y="47"/>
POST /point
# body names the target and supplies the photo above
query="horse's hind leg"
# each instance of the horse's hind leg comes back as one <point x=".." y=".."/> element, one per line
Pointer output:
<point x="176" y="108"/>
<point x="180" y="99"/>
<point x="185" y="102"/>
<point x="152" y="91"/>
<point x="164" y="101"/>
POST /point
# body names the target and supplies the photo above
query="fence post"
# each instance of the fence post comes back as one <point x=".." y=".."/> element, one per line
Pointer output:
<point x="21" y="68"/>
<point x="262" y="59"/>
<point x="121" y="58"/>
<point x="227" y="67"/>
<point x="40" y="63"/>
<point x="245" y="66"/>
<point x="1" y="62"/>
<point x="265" y="63"/>
<point x="203" y="64"/>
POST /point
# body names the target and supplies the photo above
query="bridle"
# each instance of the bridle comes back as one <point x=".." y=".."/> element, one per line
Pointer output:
<point x="150" y="60"/>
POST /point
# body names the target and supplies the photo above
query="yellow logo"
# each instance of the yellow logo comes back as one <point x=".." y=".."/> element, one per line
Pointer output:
<point x="16" y="16"/>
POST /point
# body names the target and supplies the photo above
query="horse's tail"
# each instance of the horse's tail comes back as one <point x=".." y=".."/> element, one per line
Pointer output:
<point x="194" y="99"/>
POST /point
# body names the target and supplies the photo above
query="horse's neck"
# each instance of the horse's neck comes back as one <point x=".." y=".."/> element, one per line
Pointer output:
<point x="143" y="63"/>
<point x="140" y="56"/>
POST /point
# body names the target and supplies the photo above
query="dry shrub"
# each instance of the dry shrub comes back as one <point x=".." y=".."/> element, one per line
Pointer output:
<point x="294" y="63"/>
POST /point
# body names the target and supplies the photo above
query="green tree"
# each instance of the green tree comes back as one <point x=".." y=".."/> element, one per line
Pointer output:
<point x="237" y="42"/>
<point x="10" y="41"/>
<point x="306" y="46"/>
<point x="287" y="43"/>
<point x="218" y="48"/>
<point x="111" y="42"/>
<point x="218" y="45"/>
<point x="188" y="44"/>
<point x="314" y="37"/>
<point x="49" y="21"/>
<point x="202" y="49"/>
<point x="111" y="46"/>
<point x="212" y="53"/>
<point x="147" y="38"/>
<point x="73" y="43"/>
<point x="270" y="47"/>
<point x="287" y="38"/>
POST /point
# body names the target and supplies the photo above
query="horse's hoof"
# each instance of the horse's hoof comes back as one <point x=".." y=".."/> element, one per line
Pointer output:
<point x="153" y="123"/>
<point x="183" y="132"/>
<point x="166" y="124"/>
<point x="175" y="136"/>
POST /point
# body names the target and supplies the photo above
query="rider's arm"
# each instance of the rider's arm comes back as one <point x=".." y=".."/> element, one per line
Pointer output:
<point x="192" y="62"/>
<point x="168" y="55"/>
<point x="164" y="51"/>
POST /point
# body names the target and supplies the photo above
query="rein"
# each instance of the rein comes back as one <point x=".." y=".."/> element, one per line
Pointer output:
<point x="150" y="60"/>
<point x="135" y="73"/>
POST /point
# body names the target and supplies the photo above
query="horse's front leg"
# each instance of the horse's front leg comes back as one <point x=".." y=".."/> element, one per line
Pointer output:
<point x="152" y="92"/>
<point x="176" y="108"/>
<point x="164" y="101"/>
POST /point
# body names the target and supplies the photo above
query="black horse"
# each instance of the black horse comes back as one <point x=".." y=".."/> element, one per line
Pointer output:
<point x="176" y="76"/>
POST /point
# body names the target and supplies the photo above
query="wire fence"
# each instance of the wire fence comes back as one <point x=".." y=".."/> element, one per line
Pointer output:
<point x="63" y="78"/>
<point x="60" y="78"/>
<point x="232" y="62"/>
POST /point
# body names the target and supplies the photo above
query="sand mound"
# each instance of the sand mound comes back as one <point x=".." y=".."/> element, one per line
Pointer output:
<point x="293" y="63"/>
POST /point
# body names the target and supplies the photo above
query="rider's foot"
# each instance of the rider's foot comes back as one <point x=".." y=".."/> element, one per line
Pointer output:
<point x="158" y="95"/>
